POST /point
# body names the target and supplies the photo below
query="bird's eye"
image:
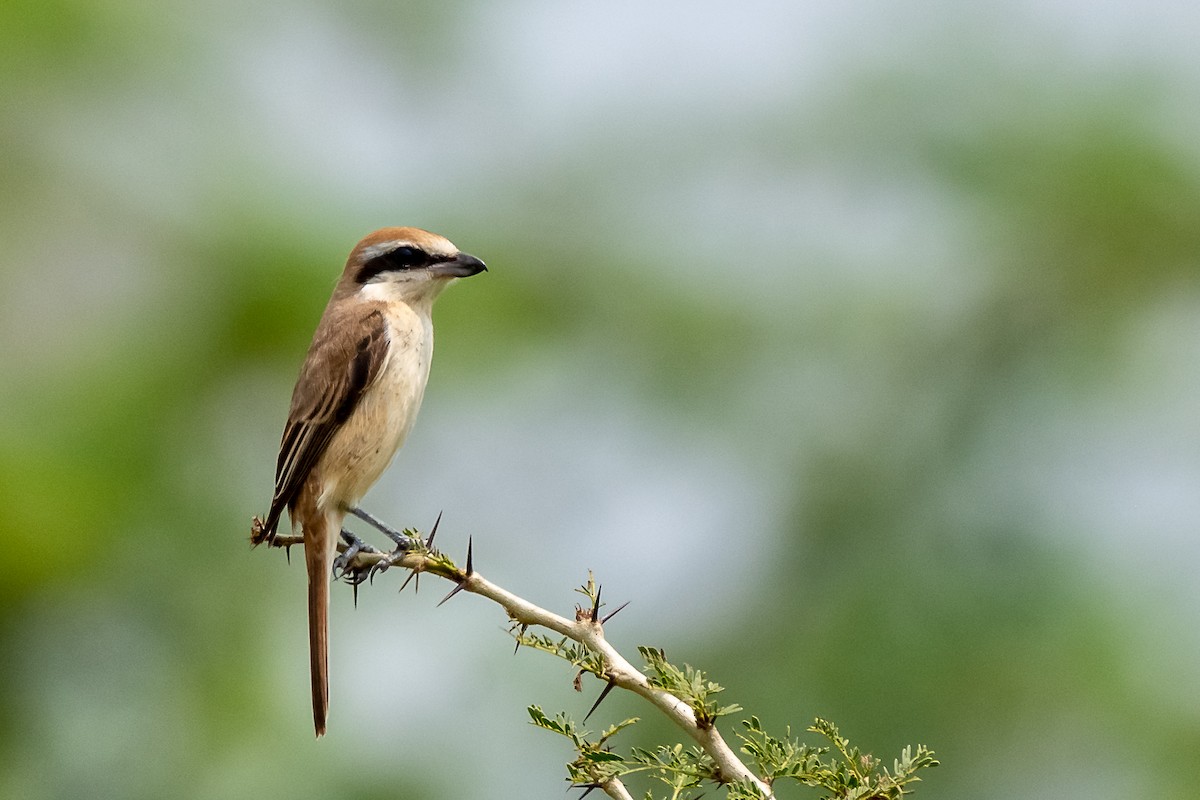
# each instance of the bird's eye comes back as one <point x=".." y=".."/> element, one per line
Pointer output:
<point x="405" y="257"/>
<point x="398" y="259"/>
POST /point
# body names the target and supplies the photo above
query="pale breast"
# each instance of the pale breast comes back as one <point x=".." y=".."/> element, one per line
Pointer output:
<point x="364" y="447"/>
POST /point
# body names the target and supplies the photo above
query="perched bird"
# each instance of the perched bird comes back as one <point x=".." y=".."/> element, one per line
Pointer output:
<point x="355" y="402"/>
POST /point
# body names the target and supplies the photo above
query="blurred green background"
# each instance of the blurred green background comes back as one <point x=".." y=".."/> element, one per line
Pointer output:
<point x="855" y="344"/>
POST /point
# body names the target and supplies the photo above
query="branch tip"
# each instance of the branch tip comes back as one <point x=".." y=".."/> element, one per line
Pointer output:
<point x="258" y="532"/>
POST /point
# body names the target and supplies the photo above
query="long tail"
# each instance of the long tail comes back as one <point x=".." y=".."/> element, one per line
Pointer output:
<point x="319" y="544"/>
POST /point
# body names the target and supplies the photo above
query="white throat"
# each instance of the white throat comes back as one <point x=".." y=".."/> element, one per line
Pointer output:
<point x="420" y="292"/>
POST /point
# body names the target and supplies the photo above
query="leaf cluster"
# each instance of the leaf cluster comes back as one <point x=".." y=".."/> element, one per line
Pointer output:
<point x="596" y="764"/>
<point x="841" y="770"/>
<point x="679" y="767"/>
<point x="576" y="654"/>
<point x="688" y="684"/>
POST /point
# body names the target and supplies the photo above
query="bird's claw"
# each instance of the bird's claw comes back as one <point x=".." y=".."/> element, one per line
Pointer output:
<point x="389" y="560"/>
<point x="380" y="566"/>
<point x="342" y="565"/>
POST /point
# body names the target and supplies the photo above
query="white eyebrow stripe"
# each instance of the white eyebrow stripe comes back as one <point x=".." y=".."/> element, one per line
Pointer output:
<point x="376" y="250"/>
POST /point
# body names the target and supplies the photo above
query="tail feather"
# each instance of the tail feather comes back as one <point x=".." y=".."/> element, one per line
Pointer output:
<point x="318" y="556"/>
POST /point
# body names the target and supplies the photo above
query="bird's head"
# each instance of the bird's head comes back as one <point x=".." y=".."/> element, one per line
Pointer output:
<point x="406" y="264"/>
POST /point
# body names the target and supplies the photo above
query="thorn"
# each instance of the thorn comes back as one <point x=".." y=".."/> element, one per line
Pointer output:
<point x="614" y="612"/>
<point x="611" y="683"/>
<point x="354" y="587"/>
<point x="470" y="571"/>
<point x="417" y="584"/>
<point x="287" y="551"/>
<point x="596" y="604"/>
<point x="590" y="787"/>
<point x="433" y="533"/>
<point x="411" y="575"/>
<point x="522" y="633"/>
<point x="453" y="592"/>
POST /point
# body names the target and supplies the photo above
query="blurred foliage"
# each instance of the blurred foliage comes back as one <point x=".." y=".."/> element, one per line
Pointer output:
<point x="909" y="393"/>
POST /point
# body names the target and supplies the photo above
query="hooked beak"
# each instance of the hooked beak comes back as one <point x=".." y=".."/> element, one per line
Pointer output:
<point x="462" y="265"/>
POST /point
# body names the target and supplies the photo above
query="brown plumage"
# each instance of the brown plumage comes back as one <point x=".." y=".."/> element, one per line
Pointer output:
<point x="355" y="401"/>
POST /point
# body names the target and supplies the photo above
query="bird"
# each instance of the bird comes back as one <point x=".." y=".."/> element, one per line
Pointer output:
<point x="355" y="402"/>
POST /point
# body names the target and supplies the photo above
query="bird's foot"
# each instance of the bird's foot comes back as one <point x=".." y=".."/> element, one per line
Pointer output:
<point x="393" y="558"/>
<point x="342" y="565"/>
<point x="404" y="542"/>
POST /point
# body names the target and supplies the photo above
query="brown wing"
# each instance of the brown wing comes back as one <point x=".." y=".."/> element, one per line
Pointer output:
<point x="344" y="359"/>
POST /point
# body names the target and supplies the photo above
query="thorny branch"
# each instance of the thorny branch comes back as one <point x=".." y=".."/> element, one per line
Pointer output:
<point x="360" y="562"/>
